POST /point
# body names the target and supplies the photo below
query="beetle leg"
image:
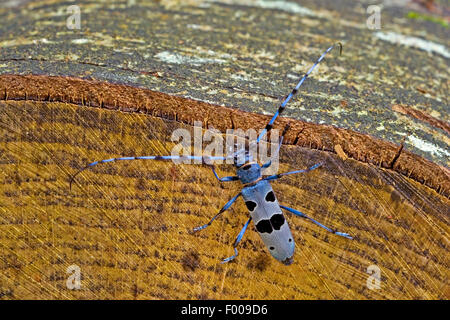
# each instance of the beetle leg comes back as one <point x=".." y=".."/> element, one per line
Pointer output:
<point x="278" y="176"/>
<point x="236" y="242"/>
<point x="225" y="207"/>
<point x="224" y="179"/>
<point x="301" y="214"/>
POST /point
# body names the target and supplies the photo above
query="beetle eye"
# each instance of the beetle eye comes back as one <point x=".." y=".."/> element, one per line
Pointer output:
<point x="246" y="167"/>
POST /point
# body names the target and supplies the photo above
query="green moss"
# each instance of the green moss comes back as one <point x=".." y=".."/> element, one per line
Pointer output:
<point x="420" y="16"/>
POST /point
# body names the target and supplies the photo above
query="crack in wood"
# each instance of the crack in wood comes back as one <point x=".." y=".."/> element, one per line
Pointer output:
<point x="397" y="155"/>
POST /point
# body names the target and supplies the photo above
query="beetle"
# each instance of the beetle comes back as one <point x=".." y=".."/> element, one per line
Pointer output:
<point x="264" y="209"/>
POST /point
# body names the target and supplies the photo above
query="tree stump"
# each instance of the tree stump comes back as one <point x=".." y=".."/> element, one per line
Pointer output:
<point x="134" y="72"/>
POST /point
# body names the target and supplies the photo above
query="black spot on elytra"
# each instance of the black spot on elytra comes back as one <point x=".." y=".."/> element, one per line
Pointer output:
<point x="270" y="196"/>
<point x="271" y="248"/>
<point x="264" y="226"/>
<point x="247" y="167"/>
<point x="277" y="220"/>
<point x="251" y="205"/>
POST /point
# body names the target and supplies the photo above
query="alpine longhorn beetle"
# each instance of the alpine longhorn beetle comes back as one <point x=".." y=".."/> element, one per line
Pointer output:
<point x="257" y="192"/>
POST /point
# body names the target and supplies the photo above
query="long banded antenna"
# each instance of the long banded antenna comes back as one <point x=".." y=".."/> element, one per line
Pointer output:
<point x="294" y="92"/>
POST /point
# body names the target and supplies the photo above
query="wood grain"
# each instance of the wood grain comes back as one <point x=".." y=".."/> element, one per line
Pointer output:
<point x="361" y="147"/>
<point x="248" y="54"/>
<point x="126" y="224"/>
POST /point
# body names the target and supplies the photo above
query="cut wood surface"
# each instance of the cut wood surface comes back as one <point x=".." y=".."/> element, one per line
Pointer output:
<point x="377" y="116"/>
<point x="127" y="225"/>
<point x="249" y="54"/>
